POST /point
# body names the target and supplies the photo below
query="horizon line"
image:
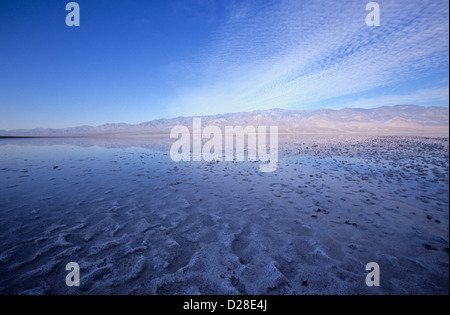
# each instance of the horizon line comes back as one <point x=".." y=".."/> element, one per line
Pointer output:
<point x="212" y="115"/>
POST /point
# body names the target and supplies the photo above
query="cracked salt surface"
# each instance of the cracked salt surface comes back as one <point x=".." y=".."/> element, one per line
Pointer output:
<point x="138" y="223"/>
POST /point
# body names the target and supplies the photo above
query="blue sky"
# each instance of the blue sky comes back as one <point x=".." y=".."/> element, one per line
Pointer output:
<point x="137" y="60"/>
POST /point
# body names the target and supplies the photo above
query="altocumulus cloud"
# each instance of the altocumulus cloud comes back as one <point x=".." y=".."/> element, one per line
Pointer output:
<point x="296" y="54"/>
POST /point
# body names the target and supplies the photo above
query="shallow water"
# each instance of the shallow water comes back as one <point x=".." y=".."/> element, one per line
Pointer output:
<point x="136" y="222"/>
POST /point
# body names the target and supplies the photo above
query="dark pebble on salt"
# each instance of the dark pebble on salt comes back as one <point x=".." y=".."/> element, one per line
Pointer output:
<point x="429" y="247"/>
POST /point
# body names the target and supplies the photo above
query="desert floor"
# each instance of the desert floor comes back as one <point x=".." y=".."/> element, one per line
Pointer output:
<point x="138" y="223"/>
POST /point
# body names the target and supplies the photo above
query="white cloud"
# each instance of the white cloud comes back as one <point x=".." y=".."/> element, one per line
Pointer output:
<point x="425" y="97"/>
<point x="285" y="53"/>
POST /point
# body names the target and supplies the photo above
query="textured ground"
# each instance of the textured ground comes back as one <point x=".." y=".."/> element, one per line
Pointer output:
<point x="139" y="223"/>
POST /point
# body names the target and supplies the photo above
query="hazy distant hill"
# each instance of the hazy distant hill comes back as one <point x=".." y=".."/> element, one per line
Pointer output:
<point x="401" y="119"/>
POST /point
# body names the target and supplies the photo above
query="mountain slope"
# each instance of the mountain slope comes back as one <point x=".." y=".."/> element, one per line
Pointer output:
<point x="400" y="119"/>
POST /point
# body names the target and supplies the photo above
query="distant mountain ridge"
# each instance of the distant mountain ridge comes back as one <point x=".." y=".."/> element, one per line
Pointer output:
<point x="399" y="119"/>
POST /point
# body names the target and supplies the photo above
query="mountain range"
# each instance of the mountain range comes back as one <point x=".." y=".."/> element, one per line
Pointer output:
<point x="395" y="120"/>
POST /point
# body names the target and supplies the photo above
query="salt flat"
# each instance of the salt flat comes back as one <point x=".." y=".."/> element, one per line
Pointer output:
<point x="139" y="223"/>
